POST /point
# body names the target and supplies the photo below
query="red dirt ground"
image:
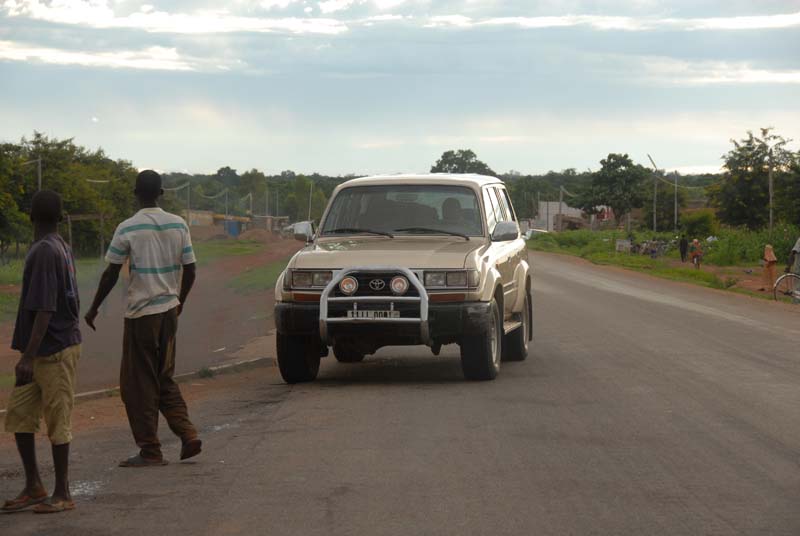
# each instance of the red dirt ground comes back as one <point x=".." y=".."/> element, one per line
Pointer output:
<point x="217" y="322"/>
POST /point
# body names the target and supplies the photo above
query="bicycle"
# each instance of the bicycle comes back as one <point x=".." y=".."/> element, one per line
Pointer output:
<point x="787" y="287"/>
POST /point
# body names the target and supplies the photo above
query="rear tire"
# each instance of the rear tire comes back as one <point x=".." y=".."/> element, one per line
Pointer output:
<point x="346" y="355"/>
<point x="480" y="354"/>
<point x="298" y="358"/>
<point x="515" y="344"/>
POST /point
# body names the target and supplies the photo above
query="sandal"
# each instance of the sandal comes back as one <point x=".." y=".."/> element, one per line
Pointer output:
<point x="140" y="461"/>
<point x="191" y="448"/>
<point x="21" y="503"/>
<point x="54" y="506"/>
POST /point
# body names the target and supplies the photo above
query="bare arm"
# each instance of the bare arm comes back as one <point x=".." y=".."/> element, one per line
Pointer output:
<point x="24" y="369"/>
<point x="187" y="282"/>
<point x="107" y="281"/>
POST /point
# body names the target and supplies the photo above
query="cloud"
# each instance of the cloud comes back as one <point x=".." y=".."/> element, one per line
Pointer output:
<point x="669" y="71"/>
<point x="624" y="23"/>
<point x="151" y="58"/>
<point x="99" y="14"/>
<point x="332" y="6"/>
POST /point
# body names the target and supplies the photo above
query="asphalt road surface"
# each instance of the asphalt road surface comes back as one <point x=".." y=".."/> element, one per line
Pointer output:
<point x="645" y="407"/>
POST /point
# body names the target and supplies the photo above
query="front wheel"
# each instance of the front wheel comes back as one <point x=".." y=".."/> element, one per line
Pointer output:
<point x="480" y="354"/>
<point x="787" y="288"/>
<point x="515" y="344"/>
<point x="298" y="358"/>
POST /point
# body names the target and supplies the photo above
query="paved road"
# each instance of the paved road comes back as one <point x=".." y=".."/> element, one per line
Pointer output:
<point x="645" y="407"/>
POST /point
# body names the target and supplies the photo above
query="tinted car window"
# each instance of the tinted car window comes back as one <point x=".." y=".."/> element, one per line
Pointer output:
<point x="389" y="208"/>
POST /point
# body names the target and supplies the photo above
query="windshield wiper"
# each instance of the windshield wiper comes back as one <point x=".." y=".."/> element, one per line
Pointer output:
<point x="430" y="230"/>
<point x="356" y="230"/>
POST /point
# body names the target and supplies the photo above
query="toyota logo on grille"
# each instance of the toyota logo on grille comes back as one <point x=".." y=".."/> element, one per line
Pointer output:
<point x="377" y="284"/>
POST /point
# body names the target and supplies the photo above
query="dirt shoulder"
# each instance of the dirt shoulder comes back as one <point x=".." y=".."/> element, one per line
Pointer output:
<point x="217" y="325"/>
<point x="645" y="277"/>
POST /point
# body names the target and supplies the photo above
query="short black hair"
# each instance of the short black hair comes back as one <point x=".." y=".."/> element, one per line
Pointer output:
<point x="46" y="207"/>
<point x="148" y="185"/>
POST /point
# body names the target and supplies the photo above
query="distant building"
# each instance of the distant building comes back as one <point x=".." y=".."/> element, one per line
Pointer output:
<point x="549" y="211"/>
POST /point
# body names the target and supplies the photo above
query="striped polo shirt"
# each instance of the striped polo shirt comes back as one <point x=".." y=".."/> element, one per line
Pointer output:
<point x="157" y="244"/>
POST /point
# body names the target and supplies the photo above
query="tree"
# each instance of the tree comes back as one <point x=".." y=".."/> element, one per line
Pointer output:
<point x="619" y="184"/>
<point x="742" y="196"/>
<point x="461" y="161"/>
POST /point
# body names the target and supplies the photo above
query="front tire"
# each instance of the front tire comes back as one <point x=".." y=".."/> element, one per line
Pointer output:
<point x="515" y="344"/>
<point x="480" y="354"/>
<point x="298" y="358"/>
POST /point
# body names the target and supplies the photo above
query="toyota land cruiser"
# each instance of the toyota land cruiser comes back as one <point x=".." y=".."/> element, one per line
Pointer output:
<point x="408" y="260"/>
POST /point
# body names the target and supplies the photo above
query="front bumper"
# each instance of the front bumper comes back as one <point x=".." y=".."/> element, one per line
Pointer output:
<point x="447" y="322"/>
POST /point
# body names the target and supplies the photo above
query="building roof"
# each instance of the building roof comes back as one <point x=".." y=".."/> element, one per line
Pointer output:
<point x="466" y="179"/>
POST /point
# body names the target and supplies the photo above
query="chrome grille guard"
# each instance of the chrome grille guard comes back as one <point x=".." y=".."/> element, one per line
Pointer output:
<point x="326" y="298"/>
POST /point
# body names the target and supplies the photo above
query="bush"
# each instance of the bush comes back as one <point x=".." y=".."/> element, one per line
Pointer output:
<point x="700" y="224"/>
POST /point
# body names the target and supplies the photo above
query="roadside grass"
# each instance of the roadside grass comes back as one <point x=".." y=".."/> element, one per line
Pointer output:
<point x="7" y="380"/>
<point x="260" y="278"/>
<point x="660" y="268"/>
<point x="599" y="248"/>
<point x="214" y="249"/>
<point x="8" y="306"/>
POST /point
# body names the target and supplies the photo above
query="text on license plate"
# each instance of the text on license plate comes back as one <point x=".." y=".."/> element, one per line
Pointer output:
<point x="373" y="314"/>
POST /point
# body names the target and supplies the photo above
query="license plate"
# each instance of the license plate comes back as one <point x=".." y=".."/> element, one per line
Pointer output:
<point x="373" y="314"/>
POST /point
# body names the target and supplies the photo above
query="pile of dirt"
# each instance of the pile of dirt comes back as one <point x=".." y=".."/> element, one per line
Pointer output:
<point x="259" y="235"/>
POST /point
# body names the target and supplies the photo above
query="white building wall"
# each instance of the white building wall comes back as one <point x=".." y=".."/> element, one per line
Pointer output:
<point x="548" y="210"/>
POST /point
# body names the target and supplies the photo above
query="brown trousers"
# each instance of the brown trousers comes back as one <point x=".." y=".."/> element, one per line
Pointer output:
<point x="146" y="384"/>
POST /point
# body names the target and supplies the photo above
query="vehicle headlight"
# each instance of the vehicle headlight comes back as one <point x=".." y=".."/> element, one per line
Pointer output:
<point x="452" y="279"/>
<point x="310" y="278"/>
<point x="456" y="279"/>
<point x="435" y="279"/>
<point x="321" y="279"/>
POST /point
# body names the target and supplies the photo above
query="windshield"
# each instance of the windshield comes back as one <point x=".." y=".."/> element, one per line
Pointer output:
<point x="405" y="210"/>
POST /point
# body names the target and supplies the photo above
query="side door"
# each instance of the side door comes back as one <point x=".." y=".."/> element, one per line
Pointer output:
<point x="505" y="258"/>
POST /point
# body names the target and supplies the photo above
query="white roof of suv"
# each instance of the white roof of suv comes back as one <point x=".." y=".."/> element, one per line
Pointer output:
<point x="466" y="179"/>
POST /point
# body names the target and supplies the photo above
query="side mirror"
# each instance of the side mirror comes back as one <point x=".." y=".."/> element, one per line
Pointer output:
<point x="303" y="231"/>
<point x="505" y="231"/>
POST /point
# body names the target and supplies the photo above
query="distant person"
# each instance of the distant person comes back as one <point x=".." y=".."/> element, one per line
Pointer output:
<point x="47" y="332"/>
<point x="696" y="253"/>
<point x="160" y="250"/>
<point x="683" y="245"/>
<point x="794" y="259"/>
<point x="770" y="268"/>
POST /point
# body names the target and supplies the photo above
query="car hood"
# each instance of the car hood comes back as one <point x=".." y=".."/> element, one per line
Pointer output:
<point x="407" y="252"/>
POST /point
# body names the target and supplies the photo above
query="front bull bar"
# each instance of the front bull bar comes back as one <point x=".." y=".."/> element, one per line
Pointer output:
<point x="326" y="298"/>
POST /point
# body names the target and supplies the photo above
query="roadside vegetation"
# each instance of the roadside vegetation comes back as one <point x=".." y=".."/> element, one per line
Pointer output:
<point x="215" y="249"/>
<point x="735" y="252"/>
<point x="260" y="278"/>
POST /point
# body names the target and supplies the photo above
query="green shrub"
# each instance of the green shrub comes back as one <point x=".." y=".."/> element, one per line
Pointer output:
<point x="700" y="224"/>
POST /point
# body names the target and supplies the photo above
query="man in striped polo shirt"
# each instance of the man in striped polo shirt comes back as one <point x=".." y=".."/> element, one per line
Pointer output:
<point x="162" y="271"/>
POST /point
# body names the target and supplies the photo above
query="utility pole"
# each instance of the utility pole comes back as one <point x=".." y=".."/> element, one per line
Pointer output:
<point x="226" y="203"/>
<point x="310" y="190"/>
<point x="189" y="203"/>
<point x="560" y="208"/>
<point x="770" y="192"/>
<point x="655" y="193"/>
<point x="675" y="220"/>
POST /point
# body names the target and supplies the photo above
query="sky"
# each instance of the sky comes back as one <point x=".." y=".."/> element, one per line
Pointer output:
<point x="386" y="86"/>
